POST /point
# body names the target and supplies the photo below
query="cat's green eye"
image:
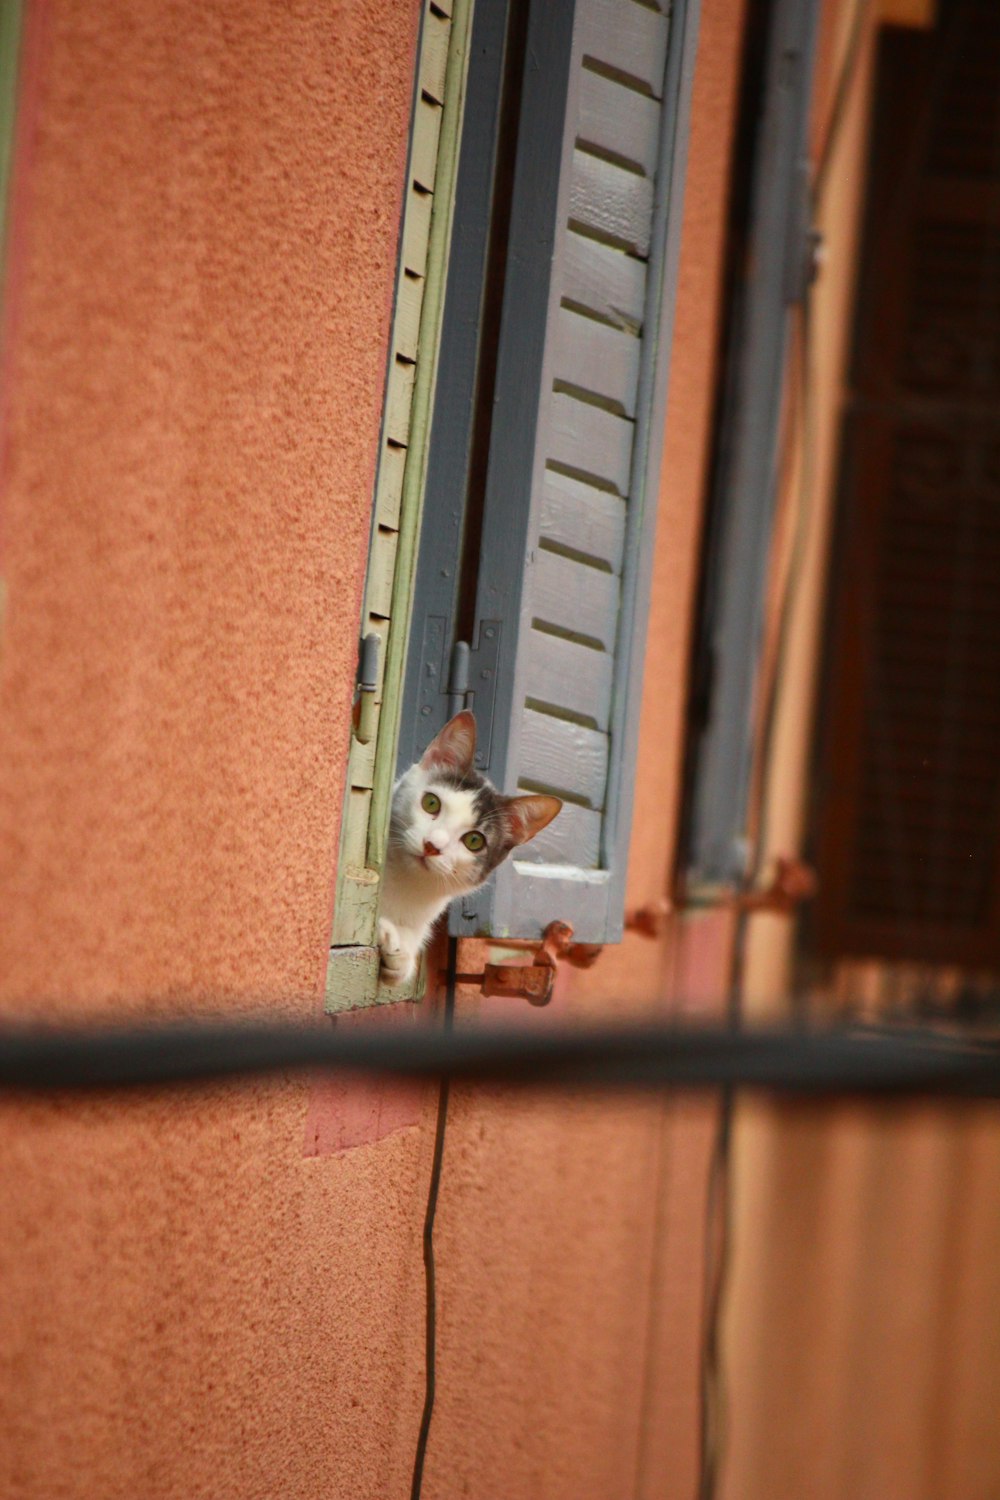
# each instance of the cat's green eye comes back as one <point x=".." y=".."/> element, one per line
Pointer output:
<point x="474" y="841"/>
<point x="431" y="804"/>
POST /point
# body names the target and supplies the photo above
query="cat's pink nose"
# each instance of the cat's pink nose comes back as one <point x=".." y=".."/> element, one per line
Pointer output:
<point x="430" y="849"/>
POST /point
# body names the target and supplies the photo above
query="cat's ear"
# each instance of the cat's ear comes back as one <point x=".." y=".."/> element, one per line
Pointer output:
<point x="528" y="815"/>
<point x="454" y="748"/>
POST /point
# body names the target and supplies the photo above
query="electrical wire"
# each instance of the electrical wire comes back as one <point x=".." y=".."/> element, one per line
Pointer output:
<point x="801" y="430"/>
<point x="430" y="1279"/>
<point x="841" y="97"/>
<point x="718" y="1249"/>
<point x="717" y="1256"/>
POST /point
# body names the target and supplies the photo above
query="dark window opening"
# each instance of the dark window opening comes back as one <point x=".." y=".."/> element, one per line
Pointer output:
<point x="907" y="793"/>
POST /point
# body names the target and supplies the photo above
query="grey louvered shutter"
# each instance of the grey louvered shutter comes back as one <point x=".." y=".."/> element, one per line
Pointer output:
<point x="772" y="269"/>
<point x="573" y="467"/>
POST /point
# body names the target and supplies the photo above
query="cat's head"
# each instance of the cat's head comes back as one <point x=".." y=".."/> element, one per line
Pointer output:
<point x="450" y="822"/>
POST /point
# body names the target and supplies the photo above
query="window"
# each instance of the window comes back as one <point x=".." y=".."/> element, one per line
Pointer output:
<point x="544" y="457"/>
<point x="352" y="976"/>
<point x="517" y="483"/>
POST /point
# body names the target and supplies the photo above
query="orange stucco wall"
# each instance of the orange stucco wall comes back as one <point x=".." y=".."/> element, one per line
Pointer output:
<point x="191" y="1302"/>
<point x="203" y="246"/>
<point x="202" y="257"/>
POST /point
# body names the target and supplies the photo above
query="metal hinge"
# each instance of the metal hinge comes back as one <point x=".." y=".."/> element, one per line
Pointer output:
<point x="367" y="682"/>
<point x="471" y="681"/>
<point x="534" y="981"/>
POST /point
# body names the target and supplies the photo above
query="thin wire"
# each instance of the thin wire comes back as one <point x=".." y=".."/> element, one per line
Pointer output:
<point x="801" y="432"/>
<point x="718" y="1249"/>
<point x="842" y="94"/>
<point x="803" y="426"/>
<point x="430" y="1280"/>
<point x="717" y="1257"/>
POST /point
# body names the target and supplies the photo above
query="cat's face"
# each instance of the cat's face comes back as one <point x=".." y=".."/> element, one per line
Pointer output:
<point x="450" y="823"/>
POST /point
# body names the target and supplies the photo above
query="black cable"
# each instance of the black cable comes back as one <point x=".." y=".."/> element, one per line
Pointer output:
<point x="717" y="1254"/>
<point x="430" y="1336"/>
<point x="794" y="1060"/>
<point x="718" y="1230"/>
<point x="841" y="94"/>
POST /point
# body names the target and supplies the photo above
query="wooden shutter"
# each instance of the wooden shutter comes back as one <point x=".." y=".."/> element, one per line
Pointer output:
<point x="910" y="804"/>
<point x="572" y="473"/>
<point x="769" y="232"/>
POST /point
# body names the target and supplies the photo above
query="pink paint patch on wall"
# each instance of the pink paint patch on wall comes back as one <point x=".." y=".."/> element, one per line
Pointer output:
<point x="345" y="1112"/>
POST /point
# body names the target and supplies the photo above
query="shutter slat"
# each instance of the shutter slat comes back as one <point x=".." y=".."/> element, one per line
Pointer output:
<point x="434" y="55"/>
<point x="611" y="202"/>
<point x="626" y="36"/>
<point x="575" y="597"/>
<point x="564" y="758"/>
<point x="417" y="229"/>
<point x="619" y="120"/>
<point x="399" y="400"/>
<point x="591" y="441"/>
<point x="597" y="359"/>
<point x="586" y="519"/>
<point x="424" y="143"/>
<point x="567" y="675"/>
<point x="574" y="838"/>
<point x="607" y="281"/>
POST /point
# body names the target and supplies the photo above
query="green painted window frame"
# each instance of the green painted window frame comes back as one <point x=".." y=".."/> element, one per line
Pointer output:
<point x="10" y="52"/>
<point x="425" y="242"/>
<point x="11" y="29"/>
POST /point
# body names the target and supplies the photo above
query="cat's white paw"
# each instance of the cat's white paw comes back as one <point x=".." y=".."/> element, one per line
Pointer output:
<point x="398" y="962"/>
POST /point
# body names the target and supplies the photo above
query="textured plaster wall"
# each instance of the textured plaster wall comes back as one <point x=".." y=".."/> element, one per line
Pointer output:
<point x="191" y="1303"/>
<point x="202" y="260"/>
<point x="203" y="248"/>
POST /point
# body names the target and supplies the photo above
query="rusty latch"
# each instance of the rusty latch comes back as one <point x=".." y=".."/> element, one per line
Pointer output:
<point x="792" y="882"/>
<point x="532" y="982"/>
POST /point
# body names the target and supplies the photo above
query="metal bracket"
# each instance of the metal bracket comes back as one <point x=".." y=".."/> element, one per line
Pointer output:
<point x="792" y="882"/>
<point x="533" y="981"/>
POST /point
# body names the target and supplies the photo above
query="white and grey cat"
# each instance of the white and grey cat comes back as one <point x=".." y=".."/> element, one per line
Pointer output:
<point x="449" y="829"/>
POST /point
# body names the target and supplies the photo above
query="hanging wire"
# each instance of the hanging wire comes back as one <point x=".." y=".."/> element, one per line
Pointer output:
<point x="430" y="1278"/>
<point x="718" y="1247"/>
<point x="801" y="432"/>
<point x="801" y="438"/>
<point x="841" y="99"/>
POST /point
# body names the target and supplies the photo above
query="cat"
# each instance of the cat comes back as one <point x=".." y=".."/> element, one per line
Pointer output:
<point x="449" y="829"/>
